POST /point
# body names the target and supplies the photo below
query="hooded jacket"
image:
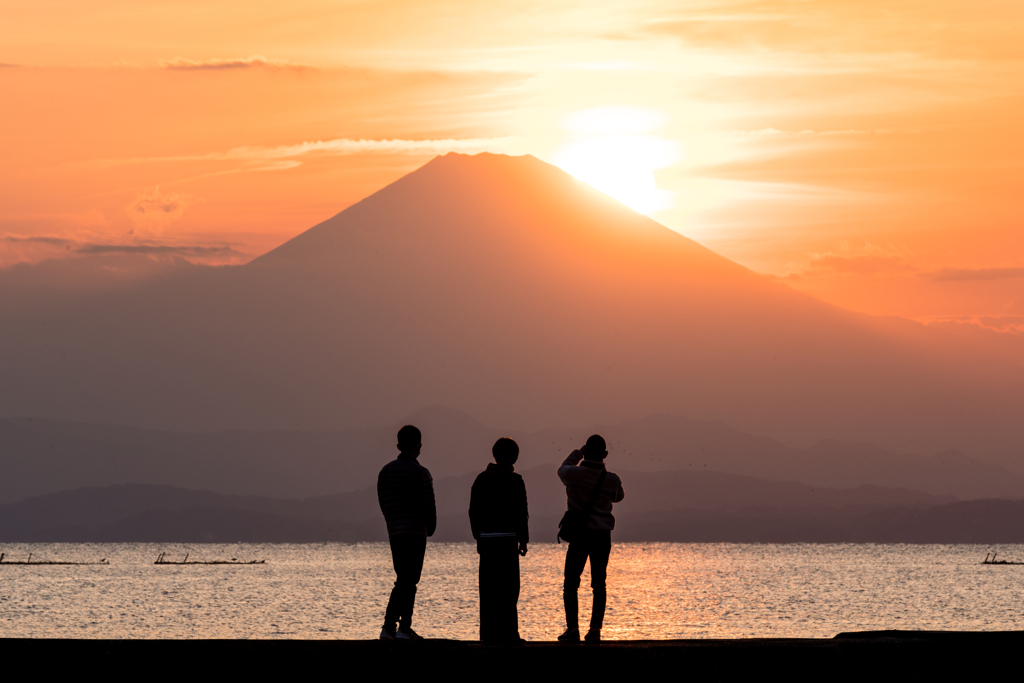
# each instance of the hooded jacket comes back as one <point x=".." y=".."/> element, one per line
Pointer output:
<point x="497" y="503"/>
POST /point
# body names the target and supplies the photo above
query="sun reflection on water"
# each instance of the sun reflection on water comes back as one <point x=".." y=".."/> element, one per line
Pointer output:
<point x="655" y="591"/>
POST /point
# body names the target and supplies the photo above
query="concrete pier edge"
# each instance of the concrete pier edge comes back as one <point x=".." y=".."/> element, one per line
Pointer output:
<point x="856" y="656"/>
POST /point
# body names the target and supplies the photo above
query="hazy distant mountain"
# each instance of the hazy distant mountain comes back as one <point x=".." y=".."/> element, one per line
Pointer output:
<point x="976" y="521"/>
<point x="164" y="513"/>
<point x="663" y="442"/>
<point x="506" y="289"/>
<point x="716" y="508"/>
<point x="44" y="456"/>
<point x="39" y="456"/>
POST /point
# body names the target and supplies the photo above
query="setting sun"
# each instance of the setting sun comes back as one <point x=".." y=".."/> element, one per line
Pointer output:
<point x="614" y="149"/>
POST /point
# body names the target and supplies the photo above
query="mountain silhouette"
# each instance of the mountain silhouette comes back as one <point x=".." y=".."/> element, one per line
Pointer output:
<point x="505" y="289"/>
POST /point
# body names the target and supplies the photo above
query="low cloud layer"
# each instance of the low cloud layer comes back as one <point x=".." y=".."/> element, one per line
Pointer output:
<point x="868" y="260"/>
<point x="157" y="249"/>
<point x="976" y="274"/>
<point x="55" y="241"/>
<point x="251" y="62"/>
<point x="1007" y="324"/>
<point x="198" y="253"/>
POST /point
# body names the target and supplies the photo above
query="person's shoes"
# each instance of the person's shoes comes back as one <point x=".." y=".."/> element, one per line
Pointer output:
<point x="407" y="634"/>
<point x="387" y="634"/>
<point x="571" y="635"/>
<point x="504" y="641"/>
<point x="593" y="636"/>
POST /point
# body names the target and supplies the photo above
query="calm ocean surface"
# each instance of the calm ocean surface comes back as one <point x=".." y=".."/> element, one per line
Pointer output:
<point x="656" y="590"/>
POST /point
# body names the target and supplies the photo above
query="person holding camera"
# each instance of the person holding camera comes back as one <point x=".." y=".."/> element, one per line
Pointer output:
<point x="590" y="491"/>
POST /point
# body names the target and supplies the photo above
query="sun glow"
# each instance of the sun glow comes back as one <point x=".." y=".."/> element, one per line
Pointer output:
<point x="614" y="149"/>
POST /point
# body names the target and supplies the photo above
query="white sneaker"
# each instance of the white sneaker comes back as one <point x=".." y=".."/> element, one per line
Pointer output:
<point x="385" y="634"/>
<point x="407" y="634"/>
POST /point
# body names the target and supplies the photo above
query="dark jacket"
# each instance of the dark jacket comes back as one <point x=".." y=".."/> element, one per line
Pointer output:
<point x="580" y="478"/>
<point x="497" y="503"/>
<point x="405" y="492"/>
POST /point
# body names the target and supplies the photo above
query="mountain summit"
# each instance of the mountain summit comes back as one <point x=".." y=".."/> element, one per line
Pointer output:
<point x="504" y="288"/>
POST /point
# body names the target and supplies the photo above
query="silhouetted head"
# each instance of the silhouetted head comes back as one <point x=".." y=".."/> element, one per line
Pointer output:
<point x="505" y="451"/>
<point x="409" y="442"/>
<point x="595" y="448"/>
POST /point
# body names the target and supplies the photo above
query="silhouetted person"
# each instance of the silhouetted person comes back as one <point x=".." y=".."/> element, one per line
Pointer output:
<point x="581" y="485"/>
<point x="500" y="521"/>
<point x="405" y="492"/>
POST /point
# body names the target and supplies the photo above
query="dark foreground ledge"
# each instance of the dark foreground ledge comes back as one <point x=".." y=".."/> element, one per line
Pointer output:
<point x="862" y="656"/>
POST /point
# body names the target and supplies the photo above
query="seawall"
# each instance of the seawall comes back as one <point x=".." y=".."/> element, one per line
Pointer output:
<point x="867" y="656"/>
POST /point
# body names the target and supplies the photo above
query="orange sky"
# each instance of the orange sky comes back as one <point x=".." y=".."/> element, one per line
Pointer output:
<point x="869" y="152"/>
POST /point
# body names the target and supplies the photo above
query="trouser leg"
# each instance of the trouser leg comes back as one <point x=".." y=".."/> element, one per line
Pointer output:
<point x="499" y="589"/>
<point x="513" y="593"/>
<point x="600" y="550"/>
<point x="575" y="560"/>
<point x="407" y="551"/>
<point x="508" y="616"/>
<point x="486" y="591"/>
<point x="394" y="608"/>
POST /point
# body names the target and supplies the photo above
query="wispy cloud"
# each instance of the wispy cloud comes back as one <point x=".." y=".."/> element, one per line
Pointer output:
<point x="156" y="209"/>
<point x="775" y="133"/>
<point x="345" y="146"/>
<point x="1012" y="324"/>
<point x="4" y="65"/>
<point x="143" y="247"/>
<point x="336" y="147"/>
<point x="867" y="260"/>
<point x="859" y="265"/>
<point x="158" y="249"/>
<point x="55" y="241"/>
<point x="975" y="274"/>
<point x="251" y="62"/>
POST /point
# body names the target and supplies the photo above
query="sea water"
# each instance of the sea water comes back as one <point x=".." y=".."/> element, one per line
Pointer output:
<point x="655" y="591"/>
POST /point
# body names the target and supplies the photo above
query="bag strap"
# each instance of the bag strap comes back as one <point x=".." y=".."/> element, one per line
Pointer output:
<point x="590" y="503"/>
<point x="597" y="489"/>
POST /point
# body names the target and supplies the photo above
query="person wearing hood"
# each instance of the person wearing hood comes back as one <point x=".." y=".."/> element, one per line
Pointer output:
<point x="499" y="518"/>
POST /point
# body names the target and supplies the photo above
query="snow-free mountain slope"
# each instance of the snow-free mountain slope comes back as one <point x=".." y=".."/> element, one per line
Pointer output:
<point x="503" y="288"/>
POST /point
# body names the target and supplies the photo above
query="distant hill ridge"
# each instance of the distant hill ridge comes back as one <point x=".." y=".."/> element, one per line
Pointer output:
<point x="45" y="456"/>
<point x="673" y="506"/>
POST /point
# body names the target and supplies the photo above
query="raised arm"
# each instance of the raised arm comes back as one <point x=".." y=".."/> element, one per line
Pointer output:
<point x="572" y="460"/>
<point x="618" y="494"/>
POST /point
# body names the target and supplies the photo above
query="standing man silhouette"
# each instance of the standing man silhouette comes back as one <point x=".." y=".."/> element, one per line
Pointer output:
<point x="405" y="492"/>
<point x="588" y="481"/>
<point x="499" y="519"/>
